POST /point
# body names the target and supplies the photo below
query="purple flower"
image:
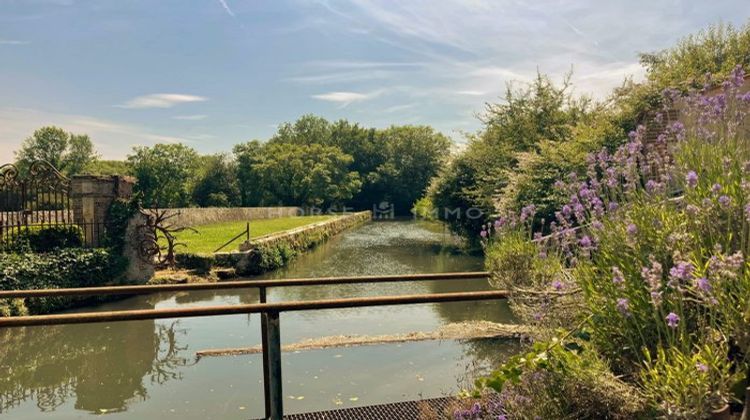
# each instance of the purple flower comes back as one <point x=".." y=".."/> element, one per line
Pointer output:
<point x="476" y="408"/>
<point x="612" y="206"/>
<point x="672" y="320"/>
<point x="499" y="223"/>
<point x="528" y="212"/>
<point x="682" y="271"/>
<point x="703" y="284"/>
<point x="597" y="225"/>
<point x="701" y="367"/>
<point x="557" y="285"/>
<point x="585" y="242"/>
<point x="502" y="417"/>
<point x="617" y="277"/>
<point x="716" y="188"/>
<point x="632" y="229"/>
<point x="651" y="185"/>
<point x="724" y="201"/>
<point x="656" y="298"/>
<point x="623" y="306"/>
<point x="483" y="233"/>
<point x="691" y="179"/>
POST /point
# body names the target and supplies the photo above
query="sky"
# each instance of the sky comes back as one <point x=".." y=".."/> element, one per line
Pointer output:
<point x="214" y="73"/>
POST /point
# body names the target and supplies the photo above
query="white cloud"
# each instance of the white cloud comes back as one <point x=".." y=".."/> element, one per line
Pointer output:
<point x="471" y="92"/>
<point x="345" y="98"/>
<point x="161" y="100"/>
<point x="112" y="140"/>
<point x="196" y="117"/>
<point x="13" y="42"/>
<point x="226" y="7"/>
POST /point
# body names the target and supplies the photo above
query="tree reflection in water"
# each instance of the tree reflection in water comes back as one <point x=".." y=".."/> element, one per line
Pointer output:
<point x="102" y="366"/>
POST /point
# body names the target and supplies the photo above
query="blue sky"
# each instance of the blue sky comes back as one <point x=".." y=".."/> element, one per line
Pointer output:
<point x="213" y="73"/>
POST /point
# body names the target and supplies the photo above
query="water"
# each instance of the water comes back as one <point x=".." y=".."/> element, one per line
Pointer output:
<point x="148" y="369"/>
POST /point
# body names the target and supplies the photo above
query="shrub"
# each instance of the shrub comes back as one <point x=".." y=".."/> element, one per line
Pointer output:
<point x="46" y="239"/>
<point x="62" y="268"/>
<point x="561" y="378"/>
<point x="655" y="242"/>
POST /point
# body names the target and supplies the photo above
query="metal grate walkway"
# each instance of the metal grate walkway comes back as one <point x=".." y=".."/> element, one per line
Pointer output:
<point x="407" y="410"/>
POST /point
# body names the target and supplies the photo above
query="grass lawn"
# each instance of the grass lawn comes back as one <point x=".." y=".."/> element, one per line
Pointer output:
<point x="210" y="237"/>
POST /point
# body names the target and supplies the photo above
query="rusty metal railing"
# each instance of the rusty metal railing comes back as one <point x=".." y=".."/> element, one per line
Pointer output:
<point x="270" y="312"/>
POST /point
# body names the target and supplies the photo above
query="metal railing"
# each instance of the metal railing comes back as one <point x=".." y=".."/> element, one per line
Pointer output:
<point x="245" y="233"/>
<point x="270" y="312"/>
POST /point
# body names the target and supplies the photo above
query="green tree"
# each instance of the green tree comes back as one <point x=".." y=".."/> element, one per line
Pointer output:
<point x="164" y="173"/>
<point x="247" y="155"/>
<point x="715" y="50"/>
<point x="306" y="175"/>
<point x="413" y="156"/>
<point x="216" y="185"/>
<point x="69" y="153"/>
<point x="108" y="167"/>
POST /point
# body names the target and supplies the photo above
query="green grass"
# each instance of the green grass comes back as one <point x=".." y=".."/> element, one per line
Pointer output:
<point x="210" y="237"/>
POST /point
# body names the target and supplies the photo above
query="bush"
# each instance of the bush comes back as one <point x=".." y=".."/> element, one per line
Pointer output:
<point x="46" y="239"/>
<point x="655" y="243"/>
<point x="62" y="268"/>
<point x="560" y="379"/>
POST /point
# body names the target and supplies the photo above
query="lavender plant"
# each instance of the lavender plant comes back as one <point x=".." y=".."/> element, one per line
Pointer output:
<point x="652" y="251"/>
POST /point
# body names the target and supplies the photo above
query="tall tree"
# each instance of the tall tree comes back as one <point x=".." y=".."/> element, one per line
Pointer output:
<point x="248" y="182"/>
<point x="164" y="174"/>
<point x="69" y="153"/>
<point x="216" y="184"/>
<point x="413" y="156"/>
<point x="306" y="175"/>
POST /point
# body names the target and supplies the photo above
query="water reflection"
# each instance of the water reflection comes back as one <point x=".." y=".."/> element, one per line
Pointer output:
<point x="144" y="369"/>
<point x="103" y="367"/>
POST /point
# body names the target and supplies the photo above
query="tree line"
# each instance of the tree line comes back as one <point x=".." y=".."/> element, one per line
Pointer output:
<point x="542" y="132"/>
<point x="310" y="162"/>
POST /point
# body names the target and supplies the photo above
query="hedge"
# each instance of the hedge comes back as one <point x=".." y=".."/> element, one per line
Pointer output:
<point x="61" y="268"/>
<point x="44" y="239"/>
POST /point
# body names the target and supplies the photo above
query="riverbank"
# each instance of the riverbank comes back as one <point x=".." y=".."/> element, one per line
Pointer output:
<point x="271" y="251"/>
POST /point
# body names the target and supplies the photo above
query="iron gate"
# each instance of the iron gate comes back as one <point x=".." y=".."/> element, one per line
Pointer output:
<point x="35" y="197"/>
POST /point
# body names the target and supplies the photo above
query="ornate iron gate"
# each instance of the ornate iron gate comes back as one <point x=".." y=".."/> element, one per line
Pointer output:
<point x="34" y="198"/>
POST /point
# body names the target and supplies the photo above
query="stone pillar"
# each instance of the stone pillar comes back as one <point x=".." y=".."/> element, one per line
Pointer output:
<point x="91" y="196"/>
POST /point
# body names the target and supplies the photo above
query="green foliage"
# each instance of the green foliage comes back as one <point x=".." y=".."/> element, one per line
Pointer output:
<point x="118" y="216"/>
<point x="306" y="175"/>
<point x="69" y="153"/>
<point x="216" y="184"/>
<point x="684" y="384"/>
<point x="61" y="268"/>
<point x="563" y="378"/>
<point x="538" y="111"/>
<point x="470" y="181"/>
<point x="45" y="239"/>
<point x="108" y="167"/>
<point x="521" y="144"/>
<point x="425" y="209"/>
<point x="247" y="155"/>
<point x="164" y="174"/>
<point x="715" y="50"/>
<point x="413" y="156"/>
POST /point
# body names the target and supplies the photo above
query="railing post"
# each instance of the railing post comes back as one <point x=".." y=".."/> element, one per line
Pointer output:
<point x="274" y="366"/>
<point x="264" y="344"/>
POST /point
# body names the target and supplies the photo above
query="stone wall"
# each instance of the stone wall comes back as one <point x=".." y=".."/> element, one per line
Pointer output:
<point x="275" y="250"/>
<point x="207" y="215"/>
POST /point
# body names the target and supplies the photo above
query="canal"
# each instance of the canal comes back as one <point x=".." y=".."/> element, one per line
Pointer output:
<point x="148" y="369"/>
